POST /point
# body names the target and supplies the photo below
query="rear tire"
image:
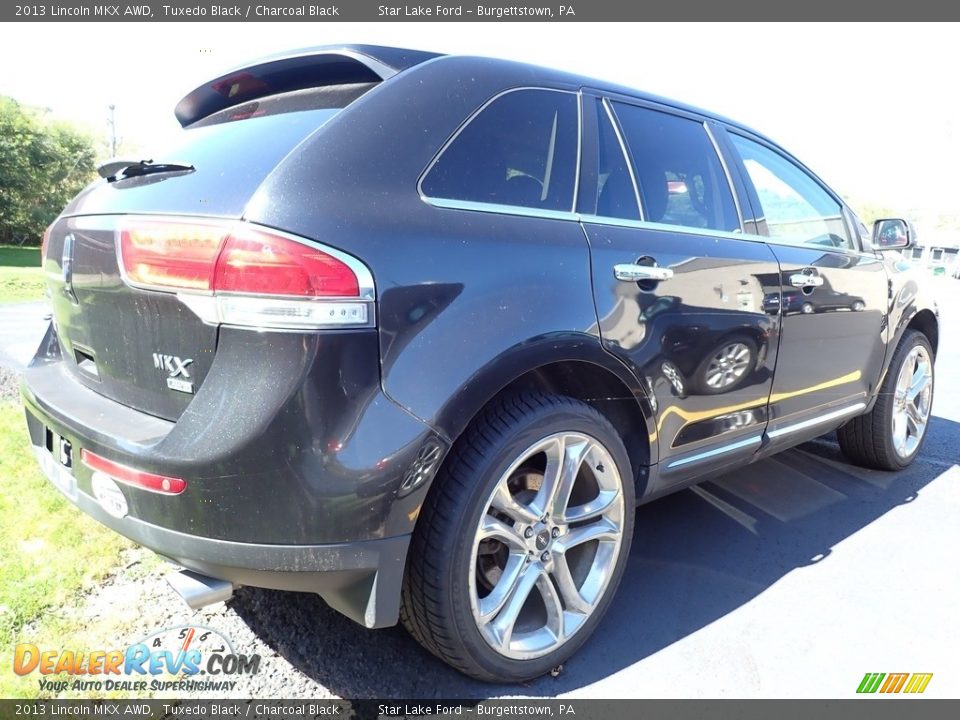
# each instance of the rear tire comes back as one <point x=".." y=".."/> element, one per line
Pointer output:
<point x="891" y="435"/>
<point x="501" y="581"/>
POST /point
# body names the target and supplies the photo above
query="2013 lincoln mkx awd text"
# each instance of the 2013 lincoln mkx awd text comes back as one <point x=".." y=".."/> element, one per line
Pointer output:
<point x="418" y="332"/>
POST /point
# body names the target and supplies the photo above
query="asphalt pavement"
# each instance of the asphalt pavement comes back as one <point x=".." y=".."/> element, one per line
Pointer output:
<point x="790" y="578"/>
<point x="21" y="329"/>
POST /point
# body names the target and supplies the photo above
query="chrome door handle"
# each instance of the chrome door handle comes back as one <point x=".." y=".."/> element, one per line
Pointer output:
<point x="631" y="272"/>
<point x="802" y="280"/>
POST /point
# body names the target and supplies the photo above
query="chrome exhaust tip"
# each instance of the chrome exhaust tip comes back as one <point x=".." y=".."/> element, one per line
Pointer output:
<point x="199" y="590"/>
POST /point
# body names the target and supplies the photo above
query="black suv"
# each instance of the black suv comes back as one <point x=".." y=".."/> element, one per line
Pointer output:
<point x="417" y="333"/>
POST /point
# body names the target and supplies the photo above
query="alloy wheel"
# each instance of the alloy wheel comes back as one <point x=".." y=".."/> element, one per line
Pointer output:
<point x="546" y="546"/>
<point x="912" y="401"/>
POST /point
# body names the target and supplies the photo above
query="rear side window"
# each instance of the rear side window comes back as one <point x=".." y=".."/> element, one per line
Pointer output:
<point x="681" y="179"/>
<point x="520" y="150"/>
<point x="794" y="205"/>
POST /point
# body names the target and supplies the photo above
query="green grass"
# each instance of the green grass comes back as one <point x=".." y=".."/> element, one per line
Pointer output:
<point x="49" y="551"/>
<point x="20" y="275"/>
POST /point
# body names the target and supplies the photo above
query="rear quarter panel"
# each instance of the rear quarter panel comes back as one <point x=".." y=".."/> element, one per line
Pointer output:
<point x="467" y="301"/>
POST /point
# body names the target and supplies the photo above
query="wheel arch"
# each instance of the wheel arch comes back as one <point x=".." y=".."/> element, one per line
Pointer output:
<point x="925" y="321"/>
<point x="577" y="369"/>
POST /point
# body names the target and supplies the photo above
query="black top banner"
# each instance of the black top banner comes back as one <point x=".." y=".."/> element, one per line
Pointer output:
<point x="473" y="11"/>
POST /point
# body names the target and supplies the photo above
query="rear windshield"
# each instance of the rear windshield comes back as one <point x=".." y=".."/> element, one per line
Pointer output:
<point x="232" y="154"/>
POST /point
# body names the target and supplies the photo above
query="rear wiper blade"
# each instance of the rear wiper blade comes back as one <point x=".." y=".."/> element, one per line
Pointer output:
<point x="131" y="168"/>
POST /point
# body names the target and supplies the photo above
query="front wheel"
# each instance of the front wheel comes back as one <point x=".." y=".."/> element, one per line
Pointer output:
<point x="523" y="539"/>
<point x="890" y="436"/>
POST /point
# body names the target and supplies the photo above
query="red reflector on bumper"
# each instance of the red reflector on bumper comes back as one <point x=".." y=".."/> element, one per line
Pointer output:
<point x="129" y="476"/>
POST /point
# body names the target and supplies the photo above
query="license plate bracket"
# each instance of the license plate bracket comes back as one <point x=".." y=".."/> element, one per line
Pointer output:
<point x="56" y="461"/>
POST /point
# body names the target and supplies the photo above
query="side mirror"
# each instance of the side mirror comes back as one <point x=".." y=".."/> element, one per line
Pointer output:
<point x="892" y="234"/>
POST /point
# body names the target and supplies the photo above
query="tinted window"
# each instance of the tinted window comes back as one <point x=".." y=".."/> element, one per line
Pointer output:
<point x="616" y="196"/>
<point x="794" y="205"/>
<point x="520" y="150"/>
<point x="681" y="179"/>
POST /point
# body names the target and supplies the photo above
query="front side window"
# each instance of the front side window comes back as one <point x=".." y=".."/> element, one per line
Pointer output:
<point x="794" y="205"/>
<point x="520" y="150"/>
<point x="681" y="179"/>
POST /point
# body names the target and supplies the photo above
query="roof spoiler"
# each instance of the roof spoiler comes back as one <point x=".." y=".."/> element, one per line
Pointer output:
<point x="309" y="68"/>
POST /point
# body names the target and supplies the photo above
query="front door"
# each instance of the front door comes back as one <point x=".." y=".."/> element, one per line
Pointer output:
<point x="833" y="298"/>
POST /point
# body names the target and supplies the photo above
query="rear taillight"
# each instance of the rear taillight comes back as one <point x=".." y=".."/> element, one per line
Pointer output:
<point x="240" y="274"/>
<point x="171" y="256"/>
<point x="258" y="263"/>
<point x="129" y="476"/>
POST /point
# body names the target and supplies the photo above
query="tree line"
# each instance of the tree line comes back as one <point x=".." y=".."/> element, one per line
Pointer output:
<point x="43" y="164"/>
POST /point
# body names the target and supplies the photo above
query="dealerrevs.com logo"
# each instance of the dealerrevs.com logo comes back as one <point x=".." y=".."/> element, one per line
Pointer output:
<point x="187" y="658"/>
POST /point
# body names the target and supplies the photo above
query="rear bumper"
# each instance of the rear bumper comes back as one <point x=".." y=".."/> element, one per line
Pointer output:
<point x="360" y="579"/>
<point x="282" y="492"/>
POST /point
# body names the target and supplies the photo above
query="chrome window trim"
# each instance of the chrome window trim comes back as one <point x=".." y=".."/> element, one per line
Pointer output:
<point x="726" y="172"/>
<point x="520" y="211"/>
<point x="611" y="117"/>
<point x="679" y="229"/>
<point x="818" y="420"/>
<point x="494" y="208"/>
<point x="443" y="202"/>
<point x="730" y="447"/>
<point x="786" y="242"/>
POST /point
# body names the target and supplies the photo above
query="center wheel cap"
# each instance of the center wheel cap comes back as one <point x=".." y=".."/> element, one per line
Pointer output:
<point x="543" y="539"/>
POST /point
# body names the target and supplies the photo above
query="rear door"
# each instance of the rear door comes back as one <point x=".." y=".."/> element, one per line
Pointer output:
<point x="834" y="296"/>
<point x="681" y="294"/>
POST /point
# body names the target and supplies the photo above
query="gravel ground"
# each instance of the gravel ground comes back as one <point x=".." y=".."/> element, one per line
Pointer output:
<point x="307" y="650"/>
<point x="9" y="385"/>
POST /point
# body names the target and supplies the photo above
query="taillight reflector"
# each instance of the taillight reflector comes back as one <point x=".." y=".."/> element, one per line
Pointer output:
<point x="129" y="476"/>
